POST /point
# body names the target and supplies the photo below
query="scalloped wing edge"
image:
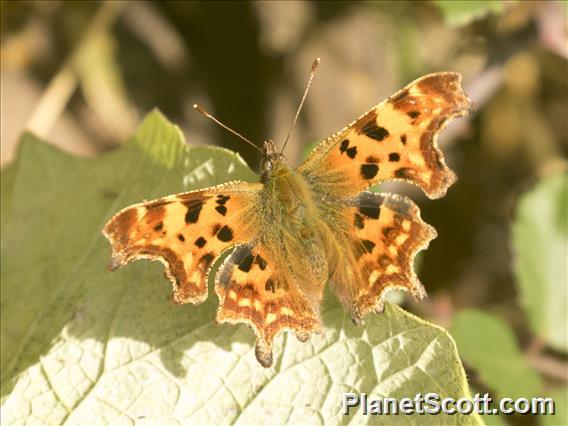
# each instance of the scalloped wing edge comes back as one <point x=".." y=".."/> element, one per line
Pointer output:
<point x="119" y="258"/>
<point x="417" y="289"/>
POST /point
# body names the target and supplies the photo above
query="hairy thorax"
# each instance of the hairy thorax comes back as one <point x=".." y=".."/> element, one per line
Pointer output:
<point x="296" y="224"/>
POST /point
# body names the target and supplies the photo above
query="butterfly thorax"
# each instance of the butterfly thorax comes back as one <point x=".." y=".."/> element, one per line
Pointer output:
<point x="292" y="219"/>
<point x="283" y="185"/>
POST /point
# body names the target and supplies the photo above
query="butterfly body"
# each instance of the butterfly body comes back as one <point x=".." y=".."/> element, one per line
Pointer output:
<point x="293" y="231"/>
<point x="300" y="228"/>
<point x="308" y="223"/>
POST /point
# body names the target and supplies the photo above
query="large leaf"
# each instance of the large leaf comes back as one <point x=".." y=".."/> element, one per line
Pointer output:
<point x="83" y="345"/>
<point x="540" y="243"/>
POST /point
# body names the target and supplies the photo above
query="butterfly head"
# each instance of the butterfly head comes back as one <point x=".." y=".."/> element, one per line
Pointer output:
<point x="272" y="160"/>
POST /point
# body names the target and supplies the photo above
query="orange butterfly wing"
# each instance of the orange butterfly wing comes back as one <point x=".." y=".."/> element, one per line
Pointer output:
<point x="387" y="232"/>
<point x="255" y="290"/>
<point x="394" y="140"/>
<point x="186" y="232"/>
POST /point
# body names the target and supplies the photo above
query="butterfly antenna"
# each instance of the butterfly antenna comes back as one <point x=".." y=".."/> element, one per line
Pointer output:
<point x="312" y="73"/>
<point x="237" y="134"/>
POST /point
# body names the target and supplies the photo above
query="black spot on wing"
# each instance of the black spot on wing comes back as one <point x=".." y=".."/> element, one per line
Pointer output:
<point x="181" y="237"/>
<point x="394" y="156"/>
<point x="359" y="222"/>
<point x="233" y="260"/>
<point x="222" y="199"/>
<point x="372" y="130"/>
<point x="270" y="286"/>
<point x="403" y="173"/>
<point x="370" y="211"/>
<point x="246" y="263"/>
<point x="222" y="210"/>
<point x="159" y="226"/>
<point x="225" y="234"/>
<point x="403" y="139"/>
<point x="368" y="245"/>
<point x="206" y="260"/>
<point x="350" y="151"/>
<point x="260" y="262"/>
<point x="363" y="246"/>
<point x="200" y="242"/>
<point x="193" y="211"/>
<point x="413" y="114"/>
<point x="369" y="204"/>
<point x="369" y="171"/>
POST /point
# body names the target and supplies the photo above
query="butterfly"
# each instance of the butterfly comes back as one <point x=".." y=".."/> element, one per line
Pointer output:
<point x="301" y="228"/>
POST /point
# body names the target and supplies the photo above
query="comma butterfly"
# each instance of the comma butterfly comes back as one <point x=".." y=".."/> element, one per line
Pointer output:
<point x="299" y="228"/>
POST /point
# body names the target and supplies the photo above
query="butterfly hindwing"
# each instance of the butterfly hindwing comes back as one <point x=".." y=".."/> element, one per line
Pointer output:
<point x="394" y="140"/>
<point x="186" y="232"/>
<point x="387" y="233"/>
<point x="252" y="290"/>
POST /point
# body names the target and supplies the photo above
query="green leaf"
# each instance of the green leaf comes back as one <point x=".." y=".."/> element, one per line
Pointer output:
<point x="83" y="345"/>
<point x="486" y="343"/>
<point x="458" y="13"/>
<point x="540" y="244"/>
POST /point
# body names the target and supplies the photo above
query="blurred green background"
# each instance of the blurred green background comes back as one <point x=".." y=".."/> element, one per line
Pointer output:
<point x="83" y="74"/>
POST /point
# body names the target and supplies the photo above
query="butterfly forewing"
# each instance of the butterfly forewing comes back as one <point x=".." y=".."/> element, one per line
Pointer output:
<point x="186" y="232"/>
<point x="394" y="140"/>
